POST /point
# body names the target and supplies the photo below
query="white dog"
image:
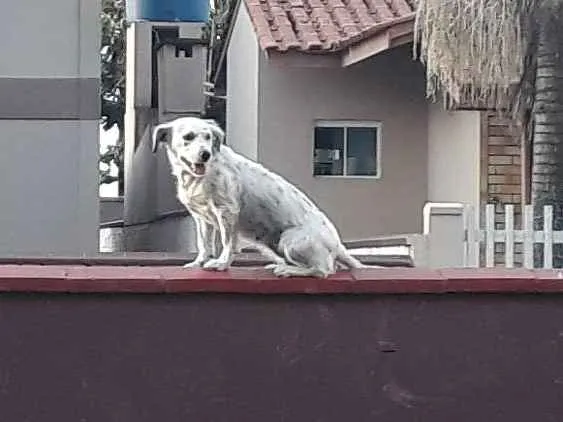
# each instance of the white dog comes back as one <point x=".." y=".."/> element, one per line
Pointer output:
<point x="231" y="195"/>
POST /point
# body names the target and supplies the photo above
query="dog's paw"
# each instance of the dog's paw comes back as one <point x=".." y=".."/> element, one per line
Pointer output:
<point x="271" y="267"/>
<point x="216" y="265"/>
<point x="193" y="264"/>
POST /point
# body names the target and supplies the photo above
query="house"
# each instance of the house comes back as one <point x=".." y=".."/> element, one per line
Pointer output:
<point x="49" y="120"/>
<point x="327" y="94"/>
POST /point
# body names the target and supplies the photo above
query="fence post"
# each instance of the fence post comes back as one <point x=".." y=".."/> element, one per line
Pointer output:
<point x="444" y="227"/>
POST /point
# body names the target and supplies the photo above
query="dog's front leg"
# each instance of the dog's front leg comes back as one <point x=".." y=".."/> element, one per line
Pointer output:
<point x="228" y="238"/>
<point x="211" y="239"/>
<point x="204" y="252"/>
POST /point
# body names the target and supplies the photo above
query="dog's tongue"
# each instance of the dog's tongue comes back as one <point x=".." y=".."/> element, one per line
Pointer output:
<point x="199" y="169"/>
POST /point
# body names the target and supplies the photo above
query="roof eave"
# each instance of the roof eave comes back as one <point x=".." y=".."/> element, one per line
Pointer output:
<point x="372" y="41"/>
<point x="399" y="33"/>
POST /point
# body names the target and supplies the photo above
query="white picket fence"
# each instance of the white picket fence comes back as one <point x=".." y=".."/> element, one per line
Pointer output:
<point x="480" y="242"/>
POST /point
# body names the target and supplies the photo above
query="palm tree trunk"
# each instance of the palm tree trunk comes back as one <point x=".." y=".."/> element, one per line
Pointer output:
<point x="547" y="158"/>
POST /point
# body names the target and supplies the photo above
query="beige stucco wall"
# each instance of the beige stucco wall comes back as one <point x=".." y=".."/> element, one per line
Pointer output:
<point x="242" y="86"/>
<point x="388" y="88"/>
<point x="453" y="155"/>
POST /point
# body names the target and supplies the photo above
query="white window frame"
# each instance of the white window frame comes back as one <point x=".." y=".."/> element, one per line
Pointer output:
<point x="345" y="124"/>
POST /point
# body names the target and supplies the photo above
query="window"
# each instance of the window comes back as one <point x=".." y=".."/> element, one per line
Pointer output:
<point x="347" y="148"/>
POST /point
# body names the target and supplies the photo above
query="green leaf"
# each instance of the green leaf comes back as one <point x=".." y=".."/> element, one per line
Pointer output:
<point x="112" y="92"/>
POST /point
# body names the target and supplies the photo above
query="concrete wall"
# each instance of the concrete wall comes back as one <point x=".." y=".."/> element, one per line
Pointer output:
<point x="149" y="187"/>
<point x="388" y="88"/>
<point x="147" y="178"/>
<point x="453" y="155"/>
<point x="111" y="209"/>
<point x="242" y="86"/>
<point x="180" y="80"/>
<point x="172" y="234"/>
<point x="49" y="114"/>
<point x="139" y="161"/>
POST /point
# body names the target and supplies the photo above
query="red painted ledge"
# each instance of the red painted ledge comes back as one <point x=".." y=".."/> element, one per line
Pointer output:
<point x="167" y="279"/>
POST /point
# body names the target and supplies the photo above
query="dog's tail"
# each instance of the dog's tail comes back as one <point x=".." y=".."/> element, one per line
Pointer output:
<point x="344" y="257"/>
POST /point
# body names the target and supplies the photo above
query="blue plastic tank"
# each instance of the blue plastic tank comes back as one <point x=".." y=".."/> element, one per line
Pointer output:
<point x="173" y="10"/>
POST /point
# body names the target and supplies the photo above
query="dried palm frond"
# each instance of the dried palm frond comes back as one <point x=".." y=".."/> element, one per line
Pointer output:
<point x="475" y="51"/>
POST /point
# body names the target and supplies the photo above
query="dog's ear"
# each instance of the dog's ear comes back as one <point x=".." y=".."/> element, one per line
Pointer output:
<point x="218" y="134"/>
<point x="161" y="133"/>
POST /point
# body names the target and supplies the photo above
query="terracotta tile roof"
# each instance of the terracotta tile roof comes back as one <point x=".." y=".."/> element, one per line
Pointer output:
<point x="322" y="25"/>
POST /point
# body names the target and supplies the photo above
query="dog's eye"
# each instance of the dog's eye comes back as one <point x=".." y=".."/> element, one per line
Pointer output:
<point x="189" y="136"/>
<point x="207" y="136"/>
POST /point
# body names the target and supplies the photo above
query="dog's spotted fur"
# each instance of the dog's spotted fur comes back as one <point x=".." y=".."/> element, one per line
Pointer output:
<point x="236" y="196"/>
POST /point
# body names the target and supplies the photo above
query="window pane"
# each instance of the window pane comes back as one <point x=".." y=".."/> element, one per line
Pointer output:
<point x="361" y="157"/>
<point x="329" y="151"/>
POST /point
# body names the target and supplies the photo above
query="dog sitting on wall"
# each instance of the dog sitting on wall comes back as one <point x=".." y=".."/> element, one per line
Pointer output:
<point x="229" y="196"/>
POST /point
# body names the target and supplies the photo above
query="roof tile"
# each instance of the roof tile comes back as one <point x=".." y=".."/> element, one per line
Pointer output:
<point x="322" y="25"/>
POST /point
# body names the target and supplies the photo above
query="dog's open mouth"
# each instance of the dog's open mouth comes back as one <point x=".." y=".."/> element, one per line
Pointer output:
<point x="196" y="168"/>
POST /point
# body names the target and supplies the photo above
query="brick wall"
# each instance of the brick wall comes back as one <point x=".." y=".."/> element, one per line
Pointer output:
<point x="502" y="160"/>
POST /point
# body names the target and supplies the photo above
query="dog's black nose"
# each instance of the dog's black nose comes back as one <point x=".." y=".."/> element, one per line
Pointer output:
<point x="204" y="156"/>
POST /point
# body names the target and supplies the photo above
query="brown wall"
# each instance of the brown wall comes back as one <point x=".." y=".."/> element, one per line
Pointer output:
<point x="256" y="358"/>
<point x="502" y="172"/>
<point x="503" y="160"/>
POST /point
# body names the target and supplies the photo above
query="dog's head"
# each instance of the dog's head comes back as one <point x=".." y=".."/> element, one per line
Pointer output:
<point x="192" y="140"/>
